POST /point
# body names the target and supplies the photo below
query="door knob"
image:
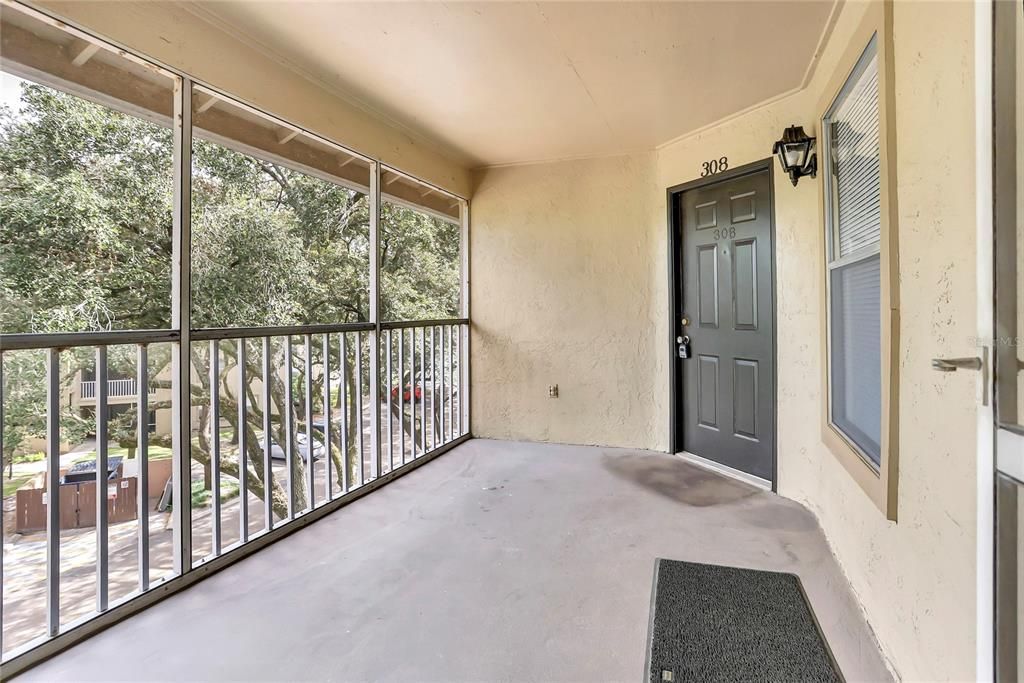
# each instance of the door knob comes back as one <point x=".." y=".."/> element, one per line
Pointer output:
<point x="954" y="364"/>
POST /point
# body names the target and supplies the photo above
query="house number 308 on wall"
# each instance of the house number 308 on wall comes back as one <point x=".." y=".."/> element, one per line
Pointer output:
<point x="714" y="166"/>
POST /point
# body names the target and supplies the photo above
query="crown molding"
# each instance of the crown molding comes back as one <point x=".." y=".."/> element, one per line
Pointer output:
<point x="812" y="67"/>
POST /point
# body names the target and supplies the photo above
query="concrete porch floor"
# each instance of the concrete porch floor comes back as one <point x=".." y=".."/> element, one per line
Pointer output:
<point x="499" y="561"/>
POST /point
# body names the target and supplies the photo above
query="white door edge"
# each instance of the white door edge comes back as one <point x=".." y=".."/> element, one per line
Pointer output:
<point x="985" y="480"/>
<point x="731" y="472"/>
<point x="1010" y="453"/>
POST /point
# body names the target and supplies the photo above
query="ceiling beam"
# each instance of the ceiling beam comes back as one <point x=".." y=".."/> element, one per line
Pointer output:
<point x="205" y="106"/>
<point x="85" y="54"/>
<point x="287" y="136"/>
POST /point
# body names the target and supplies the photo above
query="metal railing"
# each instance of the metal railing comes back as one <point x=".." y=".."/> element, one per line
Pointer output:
<point x="284" y="429"/>
<point x="423" y="391"/>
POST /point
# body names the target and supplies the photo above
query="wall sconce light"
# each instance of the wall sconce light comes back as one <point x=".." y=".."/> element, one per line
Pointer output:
<point x="796" y="153"/>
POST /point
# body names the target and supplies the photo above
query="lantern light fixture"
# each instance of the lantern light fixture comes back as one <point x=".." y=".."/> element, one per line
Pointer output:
<point x="796" y="153"/>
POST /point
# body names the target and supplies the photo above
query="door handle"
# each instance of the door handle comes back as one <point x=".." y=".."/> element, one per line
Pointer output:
<point x="979" y="363"/>
<point x="954" y="364"/>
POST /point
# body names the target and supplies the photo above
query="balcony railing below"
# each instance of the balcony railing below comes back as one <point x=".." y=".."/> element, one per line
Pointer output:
<point x="116" y="388"/>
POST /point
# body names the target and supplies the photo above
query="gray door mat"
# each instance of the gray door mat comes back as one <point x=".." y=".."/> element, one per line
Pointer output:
<point x="714" y="623"/>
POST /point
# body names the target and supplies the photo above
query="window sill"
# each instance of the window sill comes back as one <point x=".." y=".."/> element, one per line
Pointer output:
<point x="861" y="470"/>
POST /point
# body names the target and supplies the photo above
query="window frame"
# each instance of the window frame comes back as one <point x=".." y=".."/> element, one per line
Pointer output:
<point x="834" y="259"/>
<point x="880" y="483"/>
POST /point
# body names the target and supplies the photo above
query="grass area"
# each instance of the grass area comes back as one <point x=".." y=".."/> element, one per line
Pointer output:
<point x="155" y="453"/>
<point x="12" y="485"/>
<point x="29" y="457"/>
<point x="203" y="498"/>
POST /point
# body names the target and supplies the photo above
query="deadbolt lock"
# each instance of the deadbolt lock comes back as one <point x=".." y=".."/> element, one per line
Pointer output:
<point x="684" y="346"/>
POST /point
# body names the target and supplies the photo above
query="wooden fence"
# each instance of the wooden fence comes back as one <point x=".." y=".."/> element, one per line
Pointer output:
<point x="77" y="505"/>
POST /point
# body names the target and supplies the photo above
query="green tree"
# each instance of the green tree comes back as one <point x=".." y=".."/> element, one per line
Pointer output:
<point x="85" y="244"/>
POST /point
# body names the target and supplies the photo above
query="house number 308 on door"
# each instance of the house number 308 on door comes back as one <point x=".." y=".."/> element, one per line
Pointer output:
<point x="714" y="166"/>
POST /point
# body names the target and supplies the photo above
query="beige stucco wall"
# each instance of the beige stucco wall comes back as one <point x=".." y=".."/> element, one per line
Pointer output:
<point x="570" y="286"/>
<point x="564" y="293"/>
<point x="168" y="33"/>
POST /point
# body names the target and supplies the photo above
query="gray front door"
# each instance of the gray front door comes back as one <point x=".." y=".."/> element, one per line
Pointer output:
<point x="728" y="315"/>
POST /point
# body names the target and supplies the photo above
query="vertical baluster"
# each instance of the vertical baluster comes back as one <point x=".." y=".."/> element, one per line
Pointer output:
<point x="456" y="382"/>
<point x="423" y="390"/>
<point x="289" y="404"/>
<point x="451" y="382"/>
<point x="142" y="458"/>
<point x="328" y="421"/>
<point x="268" y="462"/>
<point x="433" y="387"/>
<point x="243" y="452"/>
<point x="345" y="398"/>
<point x="388" y="370"/>
<point x="411" y="402"/>
<point x="52" y="491"/>
<point x="359" y="406"/>
<point x="446" y="332"/>
<point x="373" y="392"/>
<point x="441" y="409"/>
<point x="102" y="443"/>
<point x="464" y="398"/>
<point x="215" y="520"/>
<point x="412" y="394"/>
<point x="310" y="450"/>
<point x="401" y="390"/>
<point x="442" y="379"/>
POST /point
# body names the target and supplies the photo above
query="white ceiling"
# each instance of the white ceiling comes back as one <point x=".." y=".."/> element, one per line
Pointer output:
<point x="507" y="82"/>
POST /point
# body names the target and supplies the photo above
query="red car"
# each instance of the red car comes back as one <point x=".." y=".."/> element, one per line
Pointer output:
<point x="406" y="393"/>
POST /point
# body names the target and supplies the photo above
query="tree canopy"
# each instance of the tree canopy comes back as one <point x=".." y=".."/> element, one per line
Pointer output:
<point x="86" y="206"/>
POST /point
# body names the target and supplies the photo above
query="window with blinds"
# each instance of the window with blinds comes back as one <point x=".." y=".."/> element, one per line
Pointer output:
<point x="853" y="191"/>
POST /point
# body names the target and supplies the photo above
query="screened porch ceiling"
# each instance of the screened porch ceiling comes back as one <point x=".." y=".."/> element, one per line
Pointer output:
<point x="500" y="83"/>
<point x="114" y="79"/>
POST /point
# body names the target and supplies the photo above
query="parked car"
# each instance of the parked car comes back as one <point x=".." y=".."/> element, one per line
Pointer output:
<point x="82" y="472"/>
<point x="301" y="447"/>
<point x="406" y="392"/>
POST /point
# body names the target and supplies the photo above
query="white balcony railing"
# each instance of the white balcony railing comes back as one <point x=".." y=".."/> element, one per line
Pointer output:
<point x="116" y="388"/>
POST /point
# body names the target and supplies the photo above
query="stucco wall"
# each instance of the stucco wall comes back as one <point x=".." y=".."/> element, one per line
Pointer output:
<point x="168" y="33"/>
<point x="564" y="293"/>
<point x="570" y="286"/>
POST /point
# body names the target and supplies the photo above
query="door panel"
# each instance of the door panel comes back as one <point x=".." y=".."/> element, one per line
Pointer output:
<point x="728" y="380"/>
<point x="744" y="284"/>
<point x="707" y="285"/>
<point x="744" y="398"/>
<point x="707" y="391"/>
